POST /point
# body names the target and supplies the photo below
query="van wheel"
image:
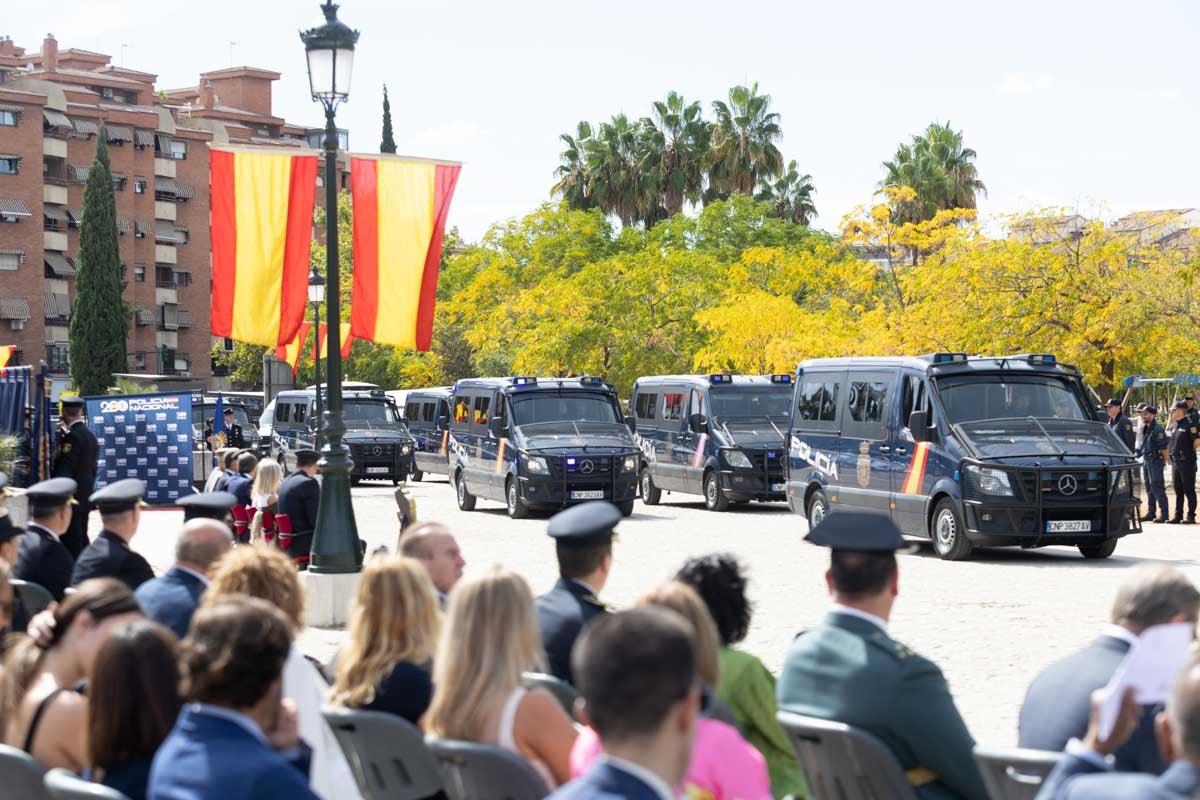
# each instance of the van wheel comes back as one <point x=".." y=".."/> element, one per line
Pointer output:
<point x="417" y="475"/>
<point x="714" y="497"/>
<point x="626" y="508"/>
<point x="818" y="509"/>
<point x="1102" y="550"/>
<point x="516" y="506"/>
<point x="466" y="500"/>
<point x="651" y="494"/>
<point x="949" y="537"/>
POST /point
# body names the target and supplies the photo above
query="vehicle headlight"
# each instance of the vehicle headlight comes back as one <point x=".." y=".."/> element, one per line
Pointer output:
<point x="536" y="465"/>
<point x="629" y="464"/>
<point x="405" y="450"/>
<point x="738" y="459"/>
<point x="990" y="481"/>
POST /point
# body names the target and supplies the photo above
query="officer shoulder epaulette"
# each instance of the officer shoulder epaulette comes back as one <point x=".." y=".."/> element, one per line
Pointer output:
<point x="890" y="646"/>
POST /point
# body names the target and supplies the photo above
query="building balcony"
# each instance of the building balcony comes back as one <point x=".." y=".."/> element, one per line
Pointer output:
<point x="164" y="167"/>
<point x="57" y="148"/>
<point x="165" y="295"/>
<point x="54" y="240"/>
<point x="165" y="211"/>
<point x="166" y="339"/>
<point x="164" y="253"/>
<point x="54" y="195"/>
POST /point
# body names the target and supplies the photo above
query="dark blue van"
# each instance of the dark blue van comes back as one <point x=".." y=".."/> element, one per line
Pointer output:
<point x="963" y="451"/>
<point x="720" y="436"/>
<point x="427" y="414"/>
<point x="540" y="443"/>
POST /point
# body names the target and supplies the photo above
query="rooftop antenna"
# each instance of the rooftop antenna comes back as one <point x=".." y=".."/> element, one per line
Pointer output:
<point x="123" y="48"/>
<point x="231" y="46"/>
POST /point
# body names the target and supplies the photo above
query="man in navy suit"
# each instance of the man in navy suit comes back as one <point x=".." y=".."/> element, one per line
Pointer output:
<point x="235" y="731"/>
<point x="172" y="598"/>
<point x="636" y="675"/>
<point x="240" y="485"/>
<point x="1082" y="773"/>
<point x="299" y="498"/>
<point x="583" y="543"/>
<point x="1057" y="704"/>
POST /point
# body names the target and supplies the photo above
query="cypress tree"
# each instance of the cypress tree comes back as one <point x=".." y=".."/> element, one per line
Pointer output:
<point x="99" y="320"/>
<point x="388" y="145"/>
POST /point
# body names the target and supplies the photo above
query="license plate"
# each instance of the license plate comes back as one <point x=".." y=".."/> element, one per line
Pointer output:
<point x="378" y="470"/>
<point x="1069" y="526"/>
<point x="588" y="494"/>
<point x="778" y="487"/>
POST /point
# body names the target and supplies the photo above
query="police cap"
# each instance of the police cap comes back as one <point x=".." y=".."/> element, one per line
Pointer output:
<point x="1113" y="403"/>
<point x="51" y="494"/>
<point x="1179" y="405"/>
<point x="228" y="412"/>
<point x="306" y="458"/>
<point x="1149" y="408"/>
<point x="207" y="505"/>
<point x="858" y="531"/>
<point x="119" y="496"/>
<point x="8" y="531"/>
<point x="71" y="401"/>
<point x="585" y="525"/>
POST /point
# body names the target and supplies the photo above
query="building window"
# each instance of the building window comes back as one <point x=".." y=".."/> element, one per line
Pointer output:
<point x="10" y="261"/>
<point x="58" y="358"/>
<point x="182" y="279"/>
<point x="139" y="361"/>
<point x="139" y="184"/>
<point x="227" y="345"/>
<point x="163" y="278"/>
<point x="10" y="165"/>
<point x="8" y="118"/>
<point x="178" y="150"/>
<point x="119" y="182"/>
<point x="139" y="274"/>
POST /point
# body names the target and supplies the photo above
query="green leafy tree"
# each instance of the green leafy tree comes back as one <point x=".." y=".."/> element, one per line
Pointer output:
<point x="743" y="142"/>
<point x="791" y="196"/>
<point x="388" y="145"/>
<point x="99" y="316"/>
<point x="939" y="168"/>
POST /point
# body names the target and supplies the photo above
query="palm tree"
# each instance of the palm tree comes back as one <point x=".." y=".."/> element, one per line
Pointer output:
<point x="677" y="142"/>
<point x="572" y="172"/>
<point x="743" y="141"/>
<point x="946" y="146"/>
<point x="791" y="195"/>
<point x="618" y="186"/>
<point x="939" y="169"/>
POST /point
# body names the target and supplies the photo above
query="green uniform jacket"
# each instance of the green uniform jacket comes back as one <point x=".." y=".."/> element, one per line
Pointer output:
<point x="848" y="670"/>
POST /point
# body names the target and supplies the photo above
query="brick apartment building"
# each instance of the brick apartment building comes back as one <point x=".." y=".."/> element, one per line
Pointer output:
<point x="51" y="105"/>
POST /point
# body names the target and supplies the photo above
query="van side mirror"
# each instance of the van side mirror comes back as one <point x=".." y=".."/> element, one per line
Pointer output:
<point x="918" y="425"/>
<point x="631" y="421"/>
<point x="496" y="427"/>
<point x="697" y="423"/>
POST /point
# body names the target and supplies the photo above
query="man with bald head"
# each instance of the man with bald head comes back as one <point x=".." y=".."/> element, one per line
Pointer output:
<point x="433" y="545"/>
<point x="172" y="598"/>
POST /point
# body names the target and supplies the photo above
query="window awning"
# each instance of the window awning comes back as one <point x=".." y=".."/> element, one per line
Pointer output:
<point x="56" y="119"/>
<point x="75" y="215"/>
<point x="184" y="268"/>
<point x="55" y="213"/>
<point x="13" y="156"/>
<point x="164" y="231"/>
<point x="84" y="126"/>
<point x="185" y="319"/>
<point x="59" y="264"/>
<point x="143" y="226"/>
<point x="182" y="228"/>
<point x="123" y="225"/>
<point x="119" y="176"/>
<point x="118" y="133"/>
<point x="14" y="307"/>
<point x="165" y="185"/>
<point x="145" y="317"/>
<point x="184" y="190"/>
<point x="143" y="138"/>
<point x="13" y="109"/>
<point x="57" y="305"/>
<point x="13" y="208"/>
<point x="78" y="172"/>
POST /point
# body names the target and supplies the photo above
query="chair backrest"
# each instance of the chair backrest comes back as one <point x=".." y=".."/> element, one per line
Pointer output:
<point x="563" y="692"/>
<point x="240" y="513"/>
<point x="20" y="775"/>
<point x="1013" y="773"/>
<point x="387" y="754"/>
<point x="268" y="521"/>
<point x="283" y="523"/>
<point x="474" y="771"/>
<point x="62" y="785"/>
<point x="844" y="763"/>
<point x="34" y="596"/>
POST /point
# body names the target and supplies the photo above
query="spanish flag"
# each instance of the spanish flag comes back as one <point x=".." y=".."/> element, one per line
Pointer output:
<point x="262" y="219"/>
<point x="322" y="344"/>
<point x="400" y="209"/>
<point x="291" y="351"/>
<point x="6" y="354"/>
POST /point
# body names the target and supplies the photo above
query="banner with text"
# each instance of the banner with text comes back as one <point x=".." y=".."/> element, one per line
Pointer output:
<point x="146" y="436"/>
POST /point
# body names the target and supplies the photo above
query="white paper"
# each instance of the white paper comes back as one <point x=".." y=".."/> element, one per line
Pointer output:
<point x="1149" y="668"/>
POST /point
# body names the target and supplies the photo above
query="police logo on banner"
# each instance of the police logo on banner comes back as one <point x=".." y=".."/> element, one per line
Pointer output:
<point x="126" y="426"/>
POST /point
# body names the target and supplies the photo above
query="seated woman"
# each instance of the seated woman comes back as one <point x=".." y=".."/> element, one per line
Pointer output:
<point x="724" y="766"/>
<point x="393" y="634"/>
<point x="133" y="702"/>
<point x="491" y="639"/>
<point x="746" y="686"/>
<point x="264" y="495"/>
<point x="43" y="713"/>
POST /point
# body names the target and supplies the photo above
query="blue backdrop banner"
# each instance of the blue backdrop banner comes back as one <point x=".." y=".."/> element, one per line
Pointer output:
<point x="147" y="436"/>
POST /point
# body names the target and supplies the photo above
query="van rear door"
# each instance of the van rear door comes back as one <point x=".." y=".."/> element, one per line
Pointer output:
<point x="865" y="452"/>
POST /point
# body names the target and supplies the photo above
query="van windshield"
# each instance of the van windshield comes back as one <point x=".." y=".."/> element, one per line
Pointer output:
<point x="773" y="402"/>
<point x="369" y="411"/>
<point x="540" y="407"/>
<point x="991" y="396"/>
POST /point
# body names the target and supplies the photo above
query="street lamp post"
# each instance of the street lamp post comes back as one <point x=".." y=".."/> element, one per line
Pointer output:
<point x="335" y="548"/>
<point x="316" y="296"/>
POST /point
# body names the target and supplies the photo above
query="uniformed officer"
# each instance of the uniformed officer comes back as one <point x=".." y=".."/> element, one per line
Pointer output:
<point x="233" y="432"/>
<point x="43" y="558"/>
<point x="1193" y="413"/>
<point x="120" y="506"/>
<point x="849" y="669"/>
<point x="583" y="543"/>
<point x="1181" y="449"/>
<point x="299" y="499"/>
<point x="1121" y="425"/>
<point x="208" y="505"/>
<point x="1154" y="456"/>
<point x="75" y="458"/>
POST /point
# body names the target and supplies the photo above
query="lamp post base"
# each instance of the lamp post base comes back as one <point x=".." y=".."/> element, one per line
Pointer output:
<point x="327" y="597"/>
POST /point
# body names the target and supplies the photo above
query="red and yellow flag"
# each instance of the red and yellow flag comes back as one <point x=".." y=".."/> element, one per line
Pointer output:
<point x="262" y="213"/>
<point x="6" y="354"/>
<point x="400" y="209"/>
<point x="291" y="351"/>
<point x="322" y="344"/>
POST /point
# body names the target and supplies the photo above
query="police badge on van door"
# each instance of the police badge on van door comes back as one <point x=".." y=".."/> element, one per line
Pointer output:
<point x="864" y="464"/>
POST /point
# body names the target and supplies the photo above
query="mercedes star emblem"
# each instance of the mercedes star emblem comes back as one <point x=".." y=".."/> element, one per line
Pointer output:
<point x="1068" y="485"/>
<point x="376" y="450"/>
<point x="587" y="467"/>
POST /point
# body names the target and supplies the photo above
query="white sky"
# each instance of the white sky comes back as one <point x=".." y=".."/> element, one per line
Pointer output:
<point x="1084" y="104"/>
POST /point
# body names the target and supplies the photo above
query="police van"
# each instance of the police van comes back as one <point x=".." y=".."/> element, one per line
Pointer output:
<point x="721" y="436"/>
<point x="427" y="414"/>
<point x="966" y="452"/>
<point x="379" y="442"/>
<point x="540" y="443"/>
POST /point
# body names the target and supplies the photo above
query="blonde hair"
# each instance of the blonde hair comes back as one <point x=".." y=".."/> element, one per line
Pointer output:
<point x="262" y="572"/>
<point x="491" y="639"/>
<point x="395" y="618"/>
<point x="267" y="479"/>
<point x="683" y="600"/>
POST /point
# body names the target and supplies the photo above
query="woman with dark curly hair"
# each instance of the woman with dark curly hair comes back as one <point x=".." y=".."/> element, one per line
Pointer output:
<point x="746" y="685"/>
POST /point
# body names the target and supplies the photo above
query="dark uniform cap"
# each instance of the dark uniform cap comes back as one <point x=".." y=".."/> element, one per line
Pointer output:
<point x="585" y="525"/>
<point x="1179" y="405"/>
<point x="118" y="496"/>
<point x="8" y="531"/>
<point x="306" y="457"/>
<point x="207" y="505"/>
<point x="51" y="494"/>
<point x="227" y="412"/>
<point x="71" y="401"/>
<point x="1113" y="402"/>
<point x="1149" y="408"/>
<point x="859" y="532"/>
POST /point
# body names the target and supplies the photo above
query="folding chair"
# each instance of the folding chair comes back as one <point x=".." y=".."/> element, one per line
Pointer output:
<point x="844" y="763"/>
<point x="563" y="692"/>
<point x="387" y="754"/>
<point x="34" y="596"/>
<point x="268" y="526"/>
<point x="1014" y="773"/>
<point x="20" y="775"/>
<point x="63" y="785"/>
<point x="474" y="771"/>
<point x="285" y="538"/>
<point x="241" y="523"/>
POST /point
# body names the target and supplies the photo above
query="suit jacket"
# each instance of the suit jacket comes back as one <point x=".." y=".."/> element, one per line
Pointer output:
<point x="209" y="758"/>
<point x="1077" y="779"/>
<point x="239" y="486"/>
<point x="299" y="497"/>
<point x="222" y="484"/>
<point x="849" y="670"/>
<point x="44" y="560"/>
<point x="606" y="781"/>
<point x="75" y="458"/>
<point x="562" y="612"/>
<point x="110" y="557"/>
<point x="1058" y="703"/>
<point x="171" y="599"/>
